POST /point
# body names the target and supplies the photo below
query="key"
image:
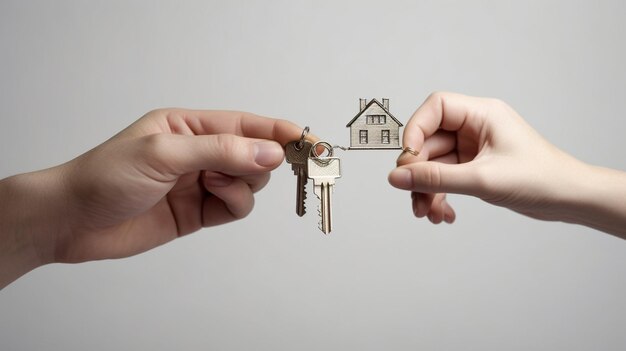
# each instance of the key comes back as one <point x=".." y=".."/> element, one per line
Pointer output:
<point x="324" y="171"/>
<point x="298" y="158"/>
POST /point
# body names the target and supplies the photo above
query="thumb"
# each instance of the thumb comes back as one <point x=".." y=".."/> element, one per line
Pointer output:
<point x="226" y="153"/>
<point x="437" y="177"/>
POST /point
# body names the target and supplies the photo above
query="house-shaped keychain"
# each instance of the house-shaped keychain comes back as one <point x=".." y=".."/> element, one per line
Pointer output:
<point x="374" y="127"/>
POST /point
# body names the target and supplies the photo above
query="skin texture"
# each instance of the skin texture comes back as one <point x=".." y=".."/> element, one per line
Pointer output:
<point x="169" y="174"/>
<point x="482" y="147"/>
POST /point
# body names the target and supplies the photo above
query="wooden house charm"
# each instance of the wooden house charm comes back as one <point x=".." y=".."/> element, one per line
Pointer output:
<point x="374" y="127"/>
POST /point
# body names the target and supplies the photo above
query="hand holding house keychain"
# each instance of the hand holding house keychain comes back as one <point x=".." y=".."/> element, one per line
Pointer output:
<point x="373" y="128"/>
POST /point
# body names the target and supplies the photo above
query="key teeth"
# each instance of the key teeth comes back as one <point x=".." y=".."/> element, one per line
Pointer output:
<point x="303" y="202"/>
<point x="319" y="213"/>
<point x="319" y="224"/>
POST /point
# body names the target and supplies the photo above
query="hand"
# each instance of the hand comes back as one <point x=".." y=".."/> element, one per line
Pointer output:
<point x="482" y="147"/>
<point x="169" y="174"/>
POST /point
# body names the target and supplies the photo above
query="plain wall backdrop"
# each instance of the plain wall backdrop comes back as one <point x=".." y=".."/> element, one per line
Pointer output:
<point x="73" y="73"/>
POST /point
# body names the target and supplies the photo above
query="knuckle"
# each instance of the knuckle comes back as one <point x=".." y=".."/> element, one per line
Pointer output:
<point x="433" y="175"/>
<point x="498" y="105"/>
<point x="427" y="178"/>
<point x="245" y="114"/>
<point x="226" y="145"/>
<point x="156" y="151"/>
<point x="160" y="112"/>
<point x="436" y="94"/>
<point x="439" y="95"/>
<point x="230" y="152"/>
<point x="155" y="144"/>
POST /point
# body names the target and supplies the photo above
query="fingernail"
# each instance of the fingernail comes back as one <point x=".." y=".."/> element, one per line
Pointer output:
<point x="216" y="179"/>
<point x="268" y="153"/>
<point x="401" y="178"/>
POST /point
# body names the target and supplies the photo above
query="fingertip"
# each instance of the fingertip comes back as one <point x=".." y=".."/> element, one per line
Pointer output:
<point x="401" y="178"/>
<point x="417" y="212"/>
<point x="449" y="216"/>
<point x="434" y="218"/>
<point x="414" y="197"/>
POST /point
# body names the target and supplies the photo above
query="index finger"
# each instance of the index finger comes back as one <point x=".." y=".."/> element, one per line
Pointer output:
<point x="448" y="111"/>
<point x="206" y="122"/>
<point x="244" y="124"/>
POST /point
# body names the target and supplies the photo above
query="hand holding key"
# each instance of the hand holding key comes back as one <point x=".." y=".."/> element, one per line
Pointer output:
<point x="169" y="174"/>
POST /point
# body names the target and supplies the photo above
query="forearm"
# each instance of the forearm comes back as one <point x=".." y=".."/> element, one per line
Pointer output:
<point x="30" y="213"/>
<point x="600" y="200"/>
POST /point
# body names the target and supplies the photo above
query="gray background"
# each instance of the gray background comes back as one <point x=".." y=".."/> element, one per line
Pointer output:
<point x="73" y="73"/>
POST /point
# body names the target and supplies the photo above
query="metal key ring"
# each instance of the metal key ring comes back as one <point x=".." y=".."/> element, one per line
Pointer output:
<point x="326" y="146"/>
<point x="300" y="144"/>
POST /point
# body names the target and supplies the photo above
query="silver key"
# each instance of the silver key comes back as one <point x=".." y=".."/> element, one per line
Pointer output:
<point x="297" y="153"/>
<point x="324" y="171"/>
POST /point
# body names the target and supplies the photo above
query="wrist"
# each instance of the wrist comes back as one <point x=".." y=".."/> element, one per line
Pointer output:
<point x="597" y="198"/>
<point x="31" y="218"/>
